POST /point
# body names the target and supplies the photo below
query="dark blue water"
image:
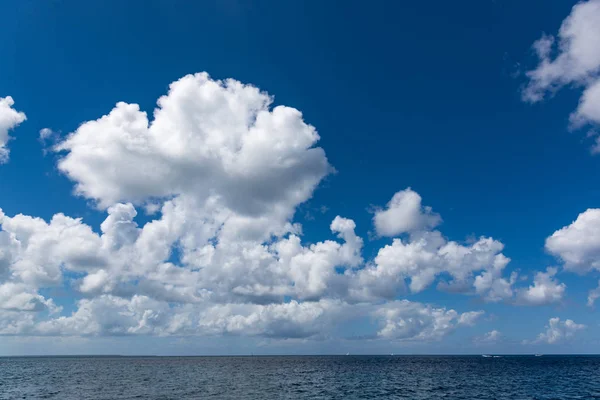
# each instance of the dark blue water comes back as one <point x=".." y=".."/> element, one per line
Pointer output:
<point x="335" y="377"/>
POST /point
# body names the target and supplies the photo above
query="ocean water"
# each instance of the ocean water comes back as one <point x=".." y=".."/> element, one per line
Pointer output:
<point x="302" y="377"/>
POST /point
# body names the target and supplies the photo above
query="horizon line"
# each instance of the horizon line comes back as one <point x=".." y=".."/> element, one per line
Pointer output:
<point x="297" y="355"/>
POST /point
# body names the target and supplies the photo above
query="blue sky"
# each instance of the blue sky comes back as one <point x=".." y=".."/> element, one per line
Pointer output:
<point x="487" y="121"/>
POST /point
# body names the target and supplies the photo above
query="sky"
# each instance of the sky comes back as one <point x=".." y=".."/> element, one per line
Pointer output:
<point x="303" y="177"/>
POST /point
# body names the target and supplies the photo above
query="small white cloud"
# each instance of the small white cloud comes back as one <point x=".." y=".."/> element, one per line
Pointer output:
<point x="557" y="331"/>
<point x="490" y="337"/>
<point x="545" y="289"/>
<point x="596" y="146"/>
<point x="593" y="295"/>
<point x="151" y="208"/>
<point x="21" y="297"/>
<point x="48" y="138"/>
<point x="469" y="318"/>
<point x="46" y="133"/>
<point x="404" y="213"/>
<point x="95" y="282"/>
<point x="9" y="119"/>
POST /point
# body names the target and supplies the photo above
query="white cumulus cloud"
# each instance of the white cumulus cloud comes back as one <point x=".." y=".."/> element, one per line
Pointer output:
<point x="404" y="213"/>
<point x="210" y="140"/>
<point x="577" y="62"/>
<point x="491" y="337"/>
<point x="593" y="295"/>
<point x="407" y="321"/>
<point x="424" y="257"/>
<point x="578" y="244"/>
<point x="557" y="331"/>
<point x="545" y="289"/>
<point x="578" y="58"/>
<point x="46" y="133"/>
<point x="9" y="119"/>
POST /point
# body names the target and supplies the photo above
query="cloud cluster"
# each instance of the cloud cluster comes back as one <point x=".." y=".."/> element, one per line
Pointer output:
<point x="9" y="119"/>
<point x="577" y="62"/>
<point x="221" y="174"/>
<point x="224" y="286"/>
<point x="572" y="58"/>
<point x="424" y="257"/>
<point x="421" y="256"/>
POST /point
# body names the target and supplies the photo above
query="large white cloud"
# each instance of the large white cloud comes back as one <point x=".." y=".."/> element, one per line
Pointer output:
<point x="557" y="331"/>
<point x="225" y="267"/>
<point x="9" y="119"/>
<point x="227" y="287"/>
<point x="227" y="174"/>
<point x="126" y="267"/>
<point x="210" y="140"/>
<point x="223" y="174"/>
<point x="125" y="257"/>
<point x="108" y="315"/>
<point x="578" y="244"/>
<point x="577" y="62"/>
<point x="141" y="315"/>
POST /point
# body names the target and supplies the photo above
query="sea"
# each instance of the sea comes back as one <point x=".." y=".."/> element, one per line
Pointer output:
<point x="301" y="377"/>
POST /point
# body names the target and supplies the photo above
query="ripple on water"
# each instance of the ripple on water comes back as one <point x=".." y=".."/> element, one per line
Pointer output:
<point x="249" y="378"/>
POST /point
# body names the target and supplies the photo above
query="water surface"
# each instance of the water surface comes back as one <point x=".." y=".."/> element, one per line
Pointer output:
<point x="302" y="377"/>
